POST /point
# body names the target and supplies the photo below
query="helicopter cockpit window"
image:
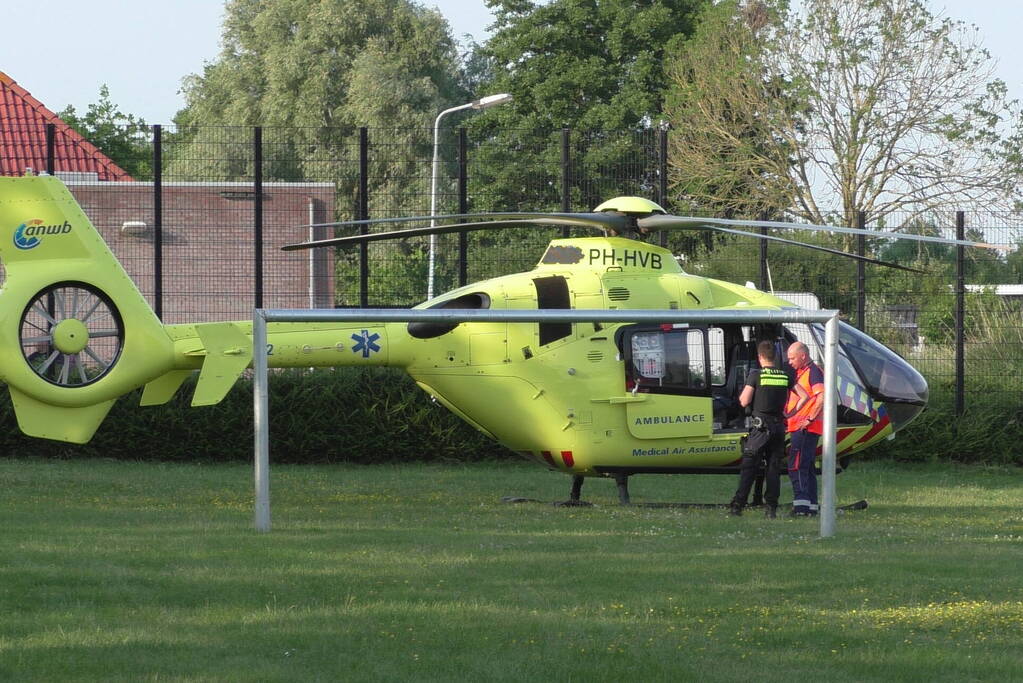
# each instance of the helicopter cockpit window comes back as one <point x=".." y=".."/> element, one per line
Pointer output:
<point x="669" y="361"/>
<point x="801" y="331"/>
<point x="886" y="374"/>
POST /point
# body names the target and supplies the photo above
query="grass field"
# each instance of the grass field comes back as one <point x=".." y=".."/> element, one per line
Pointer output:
<point x="125" y="571"/>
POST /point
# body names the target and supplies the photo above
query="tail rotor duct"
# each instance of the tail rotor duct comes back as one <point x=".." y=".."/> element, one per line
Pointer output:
<point x="71" y="334"/>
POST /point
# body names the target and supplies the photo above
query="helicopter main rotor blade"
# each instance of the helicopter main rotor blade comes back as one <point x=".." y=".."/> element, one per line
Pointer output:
<point x="839" y="252"/>
<point x="565" y="220"/>
<point x="401" y="219"/>
<point x="663" y="222"/>
<point x="600" y="221"/>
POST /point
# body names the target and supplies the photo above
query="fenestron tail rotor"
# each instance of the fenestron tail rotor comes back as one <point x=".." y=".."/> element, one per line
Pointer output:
<point x="71" y="334"/>
<point x="621" y="216"/>
<point x="79" y="334"/>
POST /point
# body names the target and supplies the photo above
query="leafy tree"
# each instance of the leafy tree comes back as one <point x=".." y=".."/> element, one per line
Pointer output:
<point x="724" y="154"/>
<point x="295" y="63"/>
<point x="980" y="266"/>
<point x="1014" y="262"/>
<point x="872" y="105"/>
<point x="591" y="64"/>
<point x="122" y="137"/>
<point x="312" y="73"/>
<point x="921" y="253"/>
<point x="595" y="66"/>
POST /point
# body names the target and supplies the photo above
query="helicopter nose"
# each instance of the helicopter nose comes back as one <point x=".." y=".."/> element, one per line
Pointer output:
<point x="887" y="376"/>
<point x="901" y="414"/>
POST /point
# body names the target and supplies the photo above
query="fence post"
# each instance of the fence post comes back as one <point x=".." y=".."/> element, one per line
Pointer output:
<point x="51" y="134"/>
<point x="662" y="176"/>
<point x="463" y="207"/>
<point x="765" y="281"/>
<point x="861" y="273"/>
<point x="363" y="215"/>
<point x="257" y="182"/>
<point x="158" y="221"/>
<point x="960" y="316"/>
<point x="566" y="174"/>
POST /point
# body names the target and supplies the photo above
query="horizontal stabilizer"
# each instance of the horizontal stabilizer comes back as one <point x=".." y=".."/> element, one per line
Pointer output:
<point x="45" y="421"/>
<point x="163" y="388"/>
<point x="228" y="353"/>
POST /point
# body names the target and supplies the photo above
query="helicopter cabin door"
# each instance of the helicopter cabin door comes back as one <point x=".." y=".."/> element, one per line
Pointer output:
<point x="668" y="375"/>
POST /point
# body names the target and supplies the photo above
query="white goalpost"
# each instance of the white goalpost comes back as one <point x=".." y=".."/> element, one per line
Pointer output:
<point x="260" y="386"/>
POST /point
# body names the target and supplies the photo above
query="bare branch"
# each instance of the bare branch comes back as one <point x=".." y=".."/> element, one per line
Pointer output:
<point x="874" y="105"/>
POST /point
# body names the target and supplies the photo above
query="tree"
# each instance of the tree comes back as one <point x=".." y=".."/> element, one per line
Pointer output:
<point x="725" y="157"/>
<point x="595" y="66"/>
<point x="122" y="137"/>
<point x="591" y="64"/>
<point x="292" y="62"/>
<point x="1014" y="263"/>
<point x="872" y="105"/>
<point x="312" y="74"/>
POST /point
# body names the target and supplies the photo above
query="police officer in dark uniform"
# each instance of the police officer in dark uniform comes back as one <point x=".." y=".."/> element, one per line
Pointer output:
<point x="764" y="395"/>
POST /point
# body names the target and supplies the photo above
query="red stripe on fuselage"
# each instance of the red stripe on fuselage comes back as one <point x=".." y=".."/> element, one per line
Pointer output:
<point x="878" y="426"/>
<point x="839" y="438"/>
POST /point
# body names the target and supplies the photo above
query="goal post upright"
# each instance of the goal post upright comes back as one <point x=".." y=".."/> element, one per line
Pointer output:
<point x="260" y="385"/>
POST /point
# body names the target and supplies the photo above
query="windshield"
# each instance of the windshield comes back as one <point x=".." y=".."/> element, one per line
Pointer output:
<point x="886" y="374"/>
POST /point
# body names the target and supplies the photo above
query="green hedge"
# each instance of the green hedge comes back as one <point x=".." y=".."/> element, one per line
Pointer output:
<point x="378" y="415"/>
<point x="364" y="416"/>
<point x="989" y="431"/>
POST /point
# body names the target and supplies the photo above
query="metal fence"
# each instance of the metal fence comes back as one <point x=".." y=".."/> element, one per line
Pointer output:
<point x="215" y="205"/>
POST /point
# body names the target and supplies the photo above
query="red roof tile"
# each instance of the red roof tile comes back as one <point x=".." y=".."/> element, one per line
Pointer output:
<point x="23" y="121"/>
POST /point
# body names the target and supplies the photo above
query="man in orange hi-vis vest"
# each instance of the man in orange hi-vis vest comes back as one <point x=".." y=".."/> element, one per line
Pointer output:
<point x="804" y="425"/>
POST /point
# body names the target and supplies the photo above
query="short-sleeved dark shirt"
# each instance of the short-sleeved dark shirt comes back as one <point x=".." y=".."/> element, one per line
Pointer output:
<point x="770" y="391"/>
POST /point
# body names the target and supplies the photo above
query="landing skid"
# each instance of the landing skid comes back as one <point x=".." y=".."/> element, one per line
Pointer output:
<point x="858" y="505"/>
<point x="622" y="481"/>
<point x="556" y="503"/>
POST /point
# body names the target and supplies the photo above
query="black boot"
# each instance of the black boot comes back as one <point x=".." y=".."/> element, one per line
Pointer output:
<point x="735" y="509"/>
<point x="771" y="511"/>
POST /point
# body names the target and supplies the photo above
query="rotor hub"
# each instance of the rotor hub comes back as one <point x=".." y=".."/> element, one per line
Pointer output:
<point x="70" y="336"/>
<point x="631" y="206"/>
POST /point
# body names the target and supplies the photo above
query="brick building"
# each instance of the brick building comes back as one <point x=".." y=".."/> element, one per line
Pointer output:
<point x="208" y="244"/>
<point x="23" y="142"/>
<point x="208" y="229"/>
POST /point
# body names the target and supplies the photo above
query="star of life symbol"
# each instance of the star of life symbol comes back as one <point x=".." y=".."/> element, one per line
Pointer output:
<point x="366" y="343"/>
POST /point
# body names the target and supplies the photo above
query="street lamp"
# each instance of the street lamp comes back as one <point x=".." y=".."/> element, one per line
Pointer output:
<point x="482" y="103"/>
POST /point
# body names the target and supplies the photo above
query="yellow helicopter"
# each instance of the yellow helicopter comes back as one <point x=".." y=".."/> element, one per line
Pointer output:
<point x="604" y="400"/>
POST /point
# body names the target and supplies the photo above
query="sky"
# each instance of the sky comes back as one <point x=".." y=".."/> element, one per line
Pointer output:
<point x="66" y="50"/>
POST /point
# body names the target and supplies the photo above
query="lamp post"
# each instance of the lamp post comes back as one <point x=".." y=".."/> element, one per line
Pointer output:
<point x="482" y="103"/>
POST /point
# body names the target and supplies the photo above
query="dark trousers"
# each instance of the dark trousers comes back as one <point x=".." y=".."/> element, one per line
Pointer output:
<point x="767" y="443"/>
<point x="802" y="453"/>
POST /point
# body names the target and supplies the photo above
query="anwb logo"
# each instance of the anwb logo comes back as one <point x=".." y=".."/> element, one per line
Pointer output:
<point x="26" y="236"/>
